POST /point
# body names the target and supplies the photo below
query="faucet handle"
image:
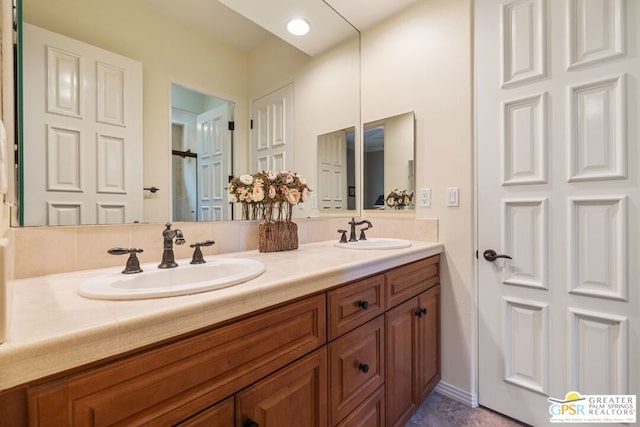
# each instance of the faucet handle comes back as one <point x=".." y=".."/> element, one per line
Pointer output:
<point x="362" y="230"/>
<point x="133" y="265"/>
<point x="198" y="258"/>
<point x="343" y="238"/>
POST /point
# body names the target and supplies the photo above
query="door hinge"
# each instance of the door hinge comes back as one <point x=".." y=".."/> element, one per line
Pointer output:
<point x="476" y="254"/>
<point x="232" y="125"/>
<point x="251" y="124"/>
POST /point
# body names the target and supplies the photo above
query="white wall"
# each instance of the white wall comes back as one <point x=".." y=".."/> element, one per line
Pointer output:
<point x="421" y="60"/>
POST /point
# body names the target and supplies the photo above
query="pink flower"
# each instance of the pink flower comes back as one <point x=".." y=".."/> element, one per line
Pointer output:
<point x="293" y="196"/>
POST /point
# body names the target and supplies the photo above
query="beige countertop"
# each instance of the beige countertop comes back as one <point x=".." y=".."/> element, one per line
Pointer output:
<point x="52" y="329"/>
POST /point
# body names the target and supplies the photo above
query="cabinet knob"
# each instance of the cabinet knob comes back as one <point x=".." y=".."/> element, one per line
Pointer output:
<point x="418" y="313"/>
<point x="250" y="423"/>
<point x="363" y="304"/>
<point x="363" y="367"/>
<point x="424" y="311"/>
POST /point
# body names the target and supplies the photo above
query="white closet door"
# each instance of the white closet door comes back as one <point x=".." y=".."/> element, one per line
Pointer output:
<point x="82" y="133"/>
<point x="558" y="191"/>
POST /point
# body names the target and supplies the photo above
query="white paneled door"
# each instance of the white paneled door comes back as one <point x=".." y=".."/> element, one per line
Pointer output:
<point x="332" y="170"/>
<point x="82" y="132"/>
<point x="557" y="94"/>
<point x="214" y="148"/>
<point x="272" y="131"/>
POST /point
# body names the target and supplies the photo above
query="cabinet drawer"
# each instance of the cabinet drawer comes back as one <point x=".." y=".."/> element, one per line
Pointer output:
<point x="356" y="367"/>
<point x="221" y="414"/>
<point x="369" y="414"/>
<point x="167" y="384"/>
<point x="352" y="305"/>
<point x="409" y="280"/>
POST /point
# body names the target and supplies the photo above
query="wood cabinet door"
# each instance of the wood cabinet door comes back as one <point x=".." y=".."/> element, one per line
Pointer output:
<point x="400" y="324"/>
<point x="428" y="343"/>
<point x="292" y="397"/>
<point x="356" y="367"/>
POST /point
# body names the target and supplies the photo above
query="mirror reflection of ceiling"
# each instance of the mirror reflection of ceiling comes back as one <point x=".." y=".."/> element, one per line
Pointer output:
<point x="240" y="33"/>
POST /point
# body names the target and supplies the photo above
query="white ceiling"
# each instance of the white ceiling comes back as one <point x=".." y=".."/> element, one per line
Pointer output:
<point x="217" y="19"/>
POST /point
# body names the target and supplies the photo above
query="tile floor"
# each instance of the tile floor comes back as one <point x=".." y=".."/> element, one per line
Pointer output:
<point x="441" y="411"/>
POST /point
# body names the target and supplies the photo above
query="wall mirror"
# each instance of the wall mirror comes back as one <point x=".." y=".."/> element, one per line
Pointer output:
<point x="388" y="163"/>
<point x="204" y="47"/>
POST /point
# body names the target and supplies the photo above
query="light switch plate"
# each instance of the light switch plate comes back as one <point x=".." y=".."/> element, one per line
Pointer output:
<point x="424" y="198"/>
<point x="453" y="197"/>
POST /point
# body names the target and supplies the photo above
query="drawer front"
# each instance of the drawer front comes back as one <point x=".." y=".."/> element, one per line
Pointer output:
<point x="221" y="414"/>
<point x="353" y="305"/>
<point x="369" y="414"/>
<point x="169" y="383"/>
<point x="409" y="280"/>
<point x="356" y="367"/>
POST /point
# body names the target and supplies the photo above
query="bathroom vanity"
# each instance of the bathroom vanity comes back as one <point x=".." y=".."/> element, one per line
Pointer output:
<point x="360" y="351"/>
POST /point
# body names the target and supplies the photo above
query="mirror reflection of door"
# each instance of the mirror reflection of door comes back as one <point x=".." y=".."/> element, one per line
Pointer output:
<point x="82" y="133"/>
<point x="336" y="170"/>
<point x="272" y="131"/>
<point x="201" y="155"/>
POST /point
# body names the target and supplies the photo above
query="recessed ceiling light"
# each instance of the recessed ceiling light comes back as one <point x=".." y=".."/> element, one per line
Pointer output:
<point x="298" y="26"/>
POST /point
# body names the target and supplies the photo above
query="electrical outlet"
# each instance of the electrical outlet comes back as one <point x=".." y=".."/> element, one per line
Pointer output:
<point x="424" y="198"/>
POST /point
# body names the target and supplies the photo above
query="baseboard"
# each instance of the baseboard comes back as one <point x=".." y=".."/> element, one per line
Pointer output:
<point x="457" y="394"/>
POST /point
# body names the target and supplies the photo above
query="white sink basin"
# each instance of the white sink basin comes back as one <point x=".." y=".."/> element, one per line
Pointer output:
<point x="376" y="243"/>
<point x="183" y="280"/>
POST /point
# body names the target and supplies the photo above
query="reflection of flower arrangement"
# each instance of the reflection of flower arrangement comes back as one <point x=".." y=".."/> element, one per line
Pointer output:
<point x="270" y="195"/>
<point x="399" y="199"/>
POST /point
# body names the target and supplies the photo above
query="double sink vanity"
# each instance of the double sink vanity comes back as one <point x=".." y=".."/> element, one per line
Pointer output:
<point x="322" y="335"/>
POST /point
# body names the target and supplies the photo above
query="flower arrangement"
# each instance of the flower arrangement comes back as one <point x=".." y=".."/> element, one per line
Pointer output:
<point x="399" y="199"/>
<point x="269" y="195"/>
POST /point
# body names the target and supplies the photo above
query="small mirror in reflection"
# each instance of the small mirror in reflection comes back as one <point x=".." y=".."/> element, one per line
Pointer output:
<point x="388" y="170"/>
<point x="336" y="171"/>
<point x="201" y="148"/>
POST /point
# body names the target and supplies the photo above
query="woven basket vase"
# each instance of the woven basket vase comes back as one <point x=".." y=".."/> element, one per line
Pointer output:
<point x="277" y="236"/>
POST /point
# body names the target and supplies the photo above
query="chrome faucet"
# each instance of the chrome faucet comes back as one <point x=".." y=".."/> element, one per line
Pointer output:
<point x="168" y="235"/>
<point x="353" y="224"/>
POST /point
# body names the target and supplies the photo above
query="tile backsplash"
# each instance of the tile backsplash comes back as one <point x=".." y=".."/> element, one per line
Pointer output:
<point x="37" y="251"/>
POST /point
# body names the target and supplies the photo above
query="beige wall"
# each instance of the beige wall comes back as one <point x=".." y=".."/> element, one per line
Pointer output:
<point x="421" y="60"/>
<point x="170" y="52"/>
